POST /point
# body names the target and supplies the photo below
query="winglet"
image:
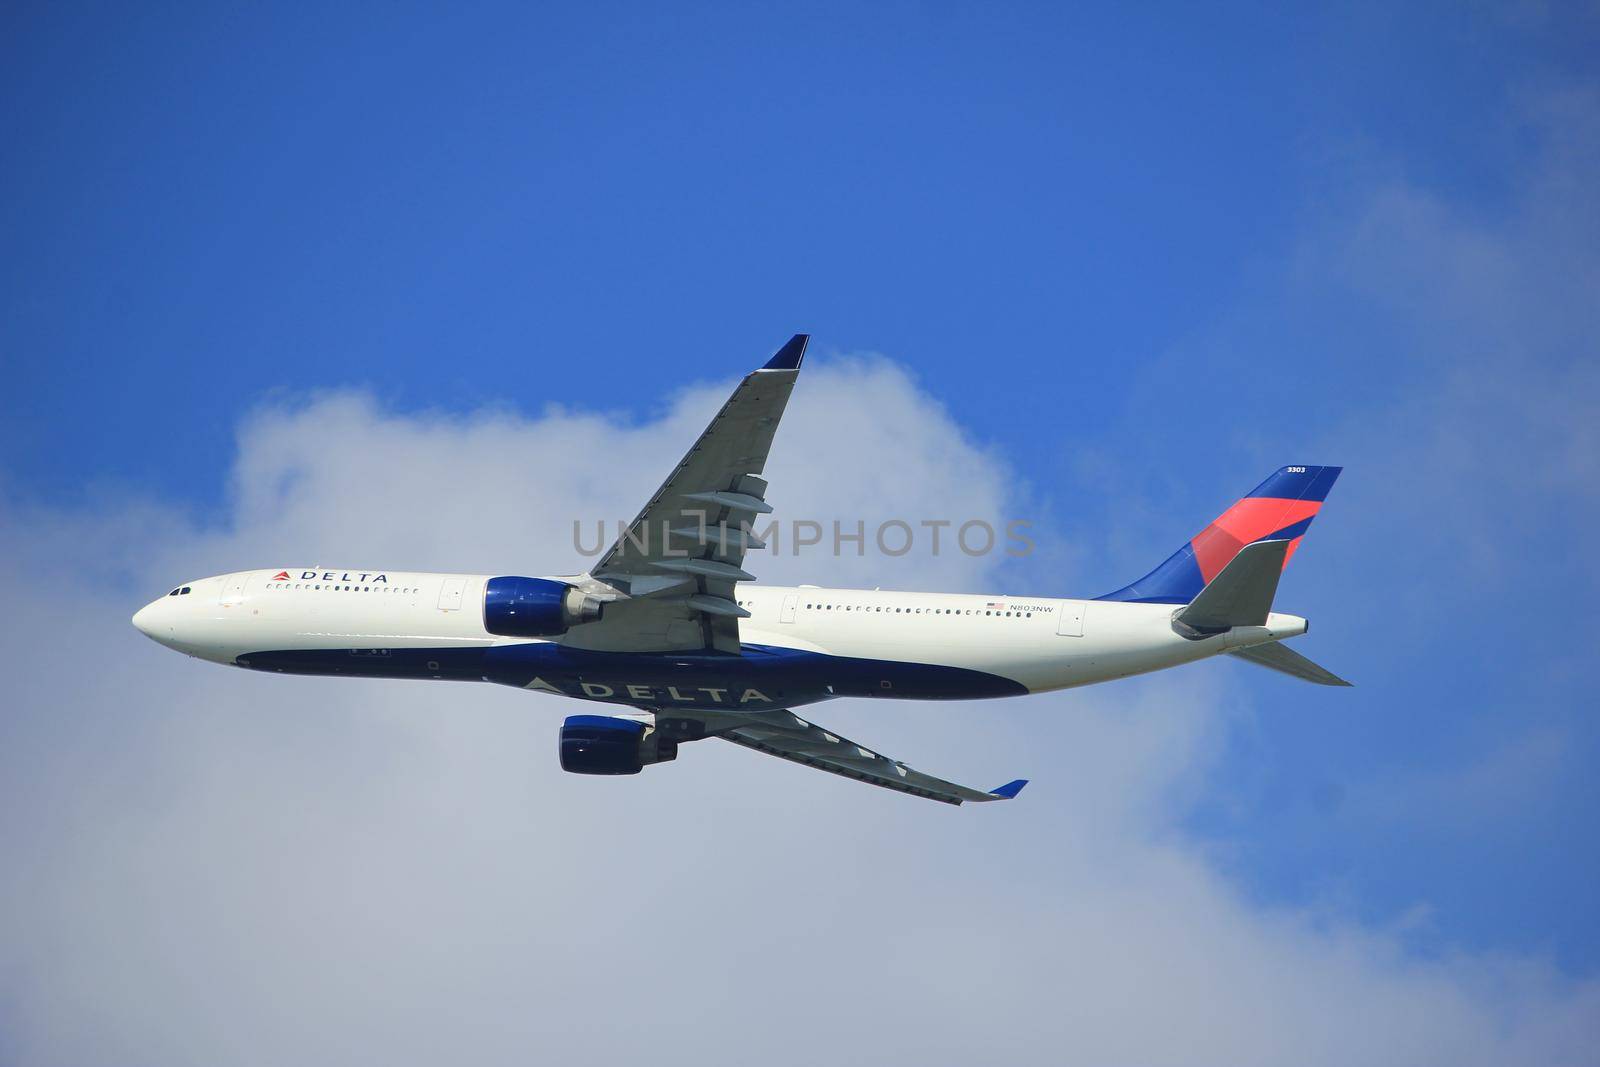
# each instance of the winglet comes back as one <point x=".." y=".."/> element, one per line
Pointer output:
<point x="1009" y="790"/>
<point x="790" y="355"/>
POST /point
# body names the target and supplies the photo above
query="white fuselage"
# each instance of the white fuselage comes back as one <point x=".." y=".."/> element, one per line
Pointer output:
<point x="802" y="644"/>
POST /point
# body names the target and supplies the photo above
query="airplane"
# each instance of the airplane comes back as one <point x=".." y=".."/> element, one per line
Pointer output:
<point x="669" y="627"/>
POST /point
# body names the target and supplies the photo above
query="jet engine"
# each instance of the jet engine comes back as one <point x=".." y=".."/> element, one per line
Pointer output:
<point x="604" y="744"/>
<point x="535" y="607"/>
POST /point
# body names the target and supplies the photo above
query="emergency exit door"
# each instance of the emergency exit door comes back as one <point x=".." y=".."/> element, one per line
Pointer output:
<point x="233" y="589"/>
<point x="1069" y="618"/>
<point x="450" y="594"/>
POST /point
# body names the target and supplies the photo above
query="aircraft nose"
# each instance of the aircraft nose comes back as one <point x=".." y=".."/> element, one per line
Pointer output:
<point x="145" y="621"/>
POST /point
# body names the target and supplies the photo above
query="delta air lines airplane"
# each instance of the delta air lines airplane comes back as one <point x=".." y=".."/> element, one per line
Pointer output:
<point x="669" y="627"/>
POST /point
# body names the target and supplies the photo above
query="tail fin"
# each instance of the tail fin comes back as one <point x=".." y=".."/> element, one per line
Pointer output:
<point x="1279" y="509"/>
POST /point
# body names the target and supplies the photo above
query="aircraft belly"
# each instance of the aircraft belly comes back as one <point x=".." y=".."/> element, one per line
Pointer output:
<point x="762" y="676"/>
<point x="650" y="680"/>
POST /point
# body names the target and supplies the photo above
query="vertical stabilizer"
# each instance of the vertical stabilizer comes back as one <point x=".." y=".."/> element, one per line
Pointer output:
<point x="1279" y="509"/>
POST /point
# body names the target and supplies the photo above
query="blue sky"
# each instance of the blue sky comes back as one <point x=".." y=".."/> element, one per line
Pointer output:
<point x="1138" y="257"/>
<point x="206" y="205"/>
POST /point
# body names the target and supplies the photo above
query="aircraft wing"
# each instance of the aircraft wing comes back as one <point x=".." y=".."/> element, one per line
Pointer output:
<point x="784" y="734"/>
<point x="685" y="550"/>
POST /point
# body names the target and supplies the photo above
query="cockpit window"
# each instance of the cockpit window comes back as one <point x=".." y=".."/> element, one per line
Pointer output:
<point x="173" y="593"/>
<point x="184" y="591"/>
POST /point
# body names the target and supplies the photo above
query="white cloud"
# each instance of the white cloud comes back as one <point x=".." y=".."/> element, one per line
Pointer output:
<point x="863" y="443"/>
<point x="207" y="866"/>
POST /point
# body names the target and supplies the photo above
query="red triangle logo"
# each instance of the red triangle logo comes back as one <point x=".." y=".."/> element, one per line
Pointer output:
<point x="281" y="576"/>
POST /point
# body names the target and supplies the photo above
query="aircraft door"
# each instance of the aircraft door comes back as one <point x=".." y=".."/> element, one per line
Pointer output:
<point x="790" y="602"/>
<point x="233" y="589"/>
<point x="450" y="594"/>
<point x="1069" y="618"/>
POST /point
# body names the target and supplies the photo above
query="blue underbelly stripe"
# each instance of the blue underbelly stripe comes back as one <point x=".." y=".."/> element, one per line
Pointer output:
<point x="760" y="676"/>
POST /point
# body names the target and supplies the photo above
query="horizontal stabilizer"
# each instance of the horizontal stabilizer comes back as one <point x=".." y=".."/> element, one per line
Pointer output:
<point x="1279" y="657"/>
<point x="1241" y="594"/>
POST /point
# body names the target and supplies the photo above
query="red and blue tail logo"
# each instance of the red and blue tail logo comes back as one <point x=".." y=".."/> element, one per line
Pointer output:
<point x="1279" y="509"/>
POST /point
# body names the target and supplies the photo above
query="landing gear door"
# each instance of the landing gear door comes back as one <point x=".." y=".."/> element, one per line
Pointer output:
<point x="450" y="594"/>
<point x="1069" y="618"/>
<point x="790" y="602"/>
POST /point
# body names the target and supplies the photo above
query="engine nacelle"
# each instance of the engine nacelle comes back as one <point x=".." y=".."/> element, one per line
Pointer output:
<point x="604" y="744"/>
<point x="535" y="607"/>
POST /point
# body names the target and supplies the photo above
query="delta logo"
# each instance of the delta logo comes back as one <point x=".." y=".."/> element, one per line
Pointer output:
<point x="332" y="576"/>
